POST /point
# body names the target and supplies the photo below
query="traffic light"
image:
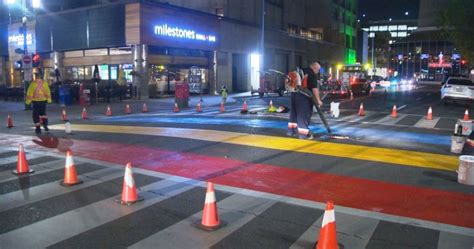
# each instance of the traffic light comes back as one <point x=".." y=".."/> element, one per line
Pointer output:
<point x="463" y="62"/>
<point x="36" y="60"/>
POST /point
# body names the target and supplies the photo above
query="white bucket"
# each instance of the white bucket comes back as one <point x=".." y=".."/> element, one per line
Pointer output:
<point x="466" y="170"/>
<point x="466" y="127"/>
<point x="457" y="144"/>
<point x="67" y="128"/>
<point x="335" y="109"/>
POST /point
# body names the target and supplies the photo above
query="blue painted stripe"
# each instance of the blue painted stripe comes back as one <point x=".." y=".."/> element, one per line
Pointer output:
<point x="413" y="137"/>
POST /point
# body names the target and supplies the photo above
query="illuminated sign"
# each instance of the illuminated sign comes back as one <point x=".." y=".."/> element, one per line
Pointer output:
<point x="18" y="39"/>
<point x="439" y="65"/>
<point x="182" y="33"/>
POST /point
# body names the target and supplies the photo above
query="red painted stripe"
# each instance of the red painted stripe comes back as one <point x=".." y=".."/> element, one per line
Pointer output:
<point x="407" y="201"/>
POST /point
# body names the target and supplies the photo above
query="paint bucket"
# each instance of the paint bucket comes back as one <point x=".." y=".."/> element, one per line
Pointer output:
<point x="466" y="170"/>
<point x="457" y="144"/>
<point x="334" y="109"/>
<point x="466" y="127"/>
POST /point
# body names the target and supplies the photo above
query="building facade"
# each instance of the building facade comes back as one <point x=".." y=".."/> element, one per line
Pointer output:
<point x="427" y="53"/>
<point x="153" y="45"/>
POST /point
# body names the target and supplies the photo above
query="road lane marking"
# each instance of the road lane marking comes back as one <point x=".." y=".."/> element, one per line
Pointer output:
<point x="375" y="154"/>
<point x="401" y="107"/>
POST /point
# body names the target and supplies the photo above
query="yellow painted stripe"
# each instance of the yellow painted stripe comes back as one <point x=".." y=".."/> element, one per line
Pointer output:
<point x="375" y="154"/>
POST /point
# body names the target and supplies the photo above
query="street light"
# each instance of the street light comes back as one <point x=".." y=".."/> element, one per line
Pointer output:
<point x="36" y="4"/>
<point x="406" y="13"/>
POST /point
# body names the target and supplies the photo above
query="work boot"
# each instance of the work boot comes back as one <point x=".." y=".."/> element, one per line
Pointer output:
<point x="45" y="124"/>
<point x="291" y="132"/>
<point x="307" y="137"/>
<point x="38" y="130"/>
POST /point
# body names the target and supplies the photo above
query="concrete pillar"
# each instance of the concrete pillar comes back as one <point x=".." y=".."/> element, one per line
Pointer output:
<point x="291" y="61"/>
<point x="58" y="62"/>
<point x="213" y="88"/>
<point x="224" y="71"/>
<point x="140" y="66"/>
<point x="3" y="71"/>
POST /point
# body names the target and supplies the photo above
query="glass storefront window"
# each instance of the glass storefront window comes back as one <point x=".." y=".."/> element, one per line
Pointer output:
<point x="113" y="72"/>
<point x="166" y="78"/>
<point x="127" y="69"/>
<point x="104" y="72"/>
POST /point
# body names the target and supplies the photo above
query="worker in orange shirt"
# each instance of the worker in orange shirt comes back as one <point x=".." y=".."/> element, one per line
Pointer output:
<point x="39" y="95"/>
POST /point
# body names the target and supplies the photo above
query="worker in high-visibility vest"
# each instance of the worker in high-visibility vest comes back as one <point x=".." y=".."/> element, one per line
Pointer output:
<point x="39" y="95"/>
<point x="303" y="88"/>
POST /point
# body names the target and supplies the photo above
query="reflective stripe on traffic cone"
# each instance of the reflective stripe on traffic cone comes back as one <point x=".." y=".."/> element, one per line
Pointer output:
<point x="176" y="107"/>
<point x="9" y="122"/>
<point x="84" y="113"/>
<point x="352" y="95"/>
<point x="129" y="190"/>
<point x="429" y="116"/>
<point x="127" y="109"/>
<point x="270" y="106"/>
<point x="70" y="174"/>
<point x="64" y="115"/>
<point x="210" y="216"/>
<point x="361" y="110"/>
<point x="144" y="108"/>
<point x="22" y="164"/>
<point x="222" y="108"/>
<point x="394" y="112"/>
<point x="327" y="234"/>
<point x="199" y="107"/>
<point x="108" y="112"/>
<point x="466" y="115"/>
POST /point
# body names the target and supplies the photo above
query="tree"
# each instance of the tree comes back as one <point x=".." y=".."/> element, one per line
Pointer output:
<point x="456" y="22"/>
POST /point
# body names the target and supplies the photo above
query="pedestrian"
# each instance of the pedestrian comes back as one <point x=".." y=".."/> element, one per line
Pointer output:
<point x="305" y="85"/>
<point x="224" y="94"/>
<point x="39" y="95"/>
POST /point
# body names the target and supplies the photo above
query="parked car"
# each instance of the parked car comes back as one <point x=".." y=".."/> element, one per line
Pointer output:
<point x="457" y="89"/>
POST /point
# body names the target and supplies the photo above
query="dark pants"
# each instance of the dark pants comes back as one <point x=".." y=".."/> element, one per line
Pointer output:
<point x="39" y="113"/>
<point x="300" y="115"/>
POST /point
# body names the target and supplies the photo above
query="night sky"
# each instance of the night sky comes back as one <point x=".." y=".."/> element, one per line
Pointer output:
<point x="384" y="9"/>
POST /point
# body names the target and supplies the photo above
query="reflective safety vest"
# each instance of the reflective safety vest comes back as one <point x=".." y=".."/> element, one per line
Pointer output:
<point x="38" y="92"/>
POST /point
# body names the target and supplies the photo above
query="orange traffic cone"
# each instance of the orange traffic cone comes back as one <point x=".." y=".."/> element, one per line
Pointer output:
<point x="327" y="234"/>
<point x="22" y="164"/>
<point x="210" y="217"/>
<point x="84" y="113"/>
<point x="64" y="115"/>
<point x="129" y="190"/>
<point x="144" y="108"/>
<point x="394" y="111"/>
<point x="176" y="107"/>
<point x="199" y="107"/>
<point x="361" y="110"/>
<point x="70" y="174"/>
<point x="222" y="109"/>
<point x="108" y="112"/>
<point x="245" y="106"/>
<point x="127" y="109"/>
<point x="429" y="116"/>
<point x="466" y="115"/>
<point x="9" y="122"/>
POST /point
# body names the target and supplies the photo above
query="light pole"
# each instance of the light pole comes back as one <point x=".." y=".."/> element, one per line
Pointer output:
<point x="262" y="37"/>
<point x="35" y="4"/>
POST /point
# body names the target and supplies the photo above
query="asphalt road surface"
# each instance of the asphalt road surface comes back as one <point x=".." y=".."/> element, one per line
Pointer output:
<point x="393" y="180"/>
